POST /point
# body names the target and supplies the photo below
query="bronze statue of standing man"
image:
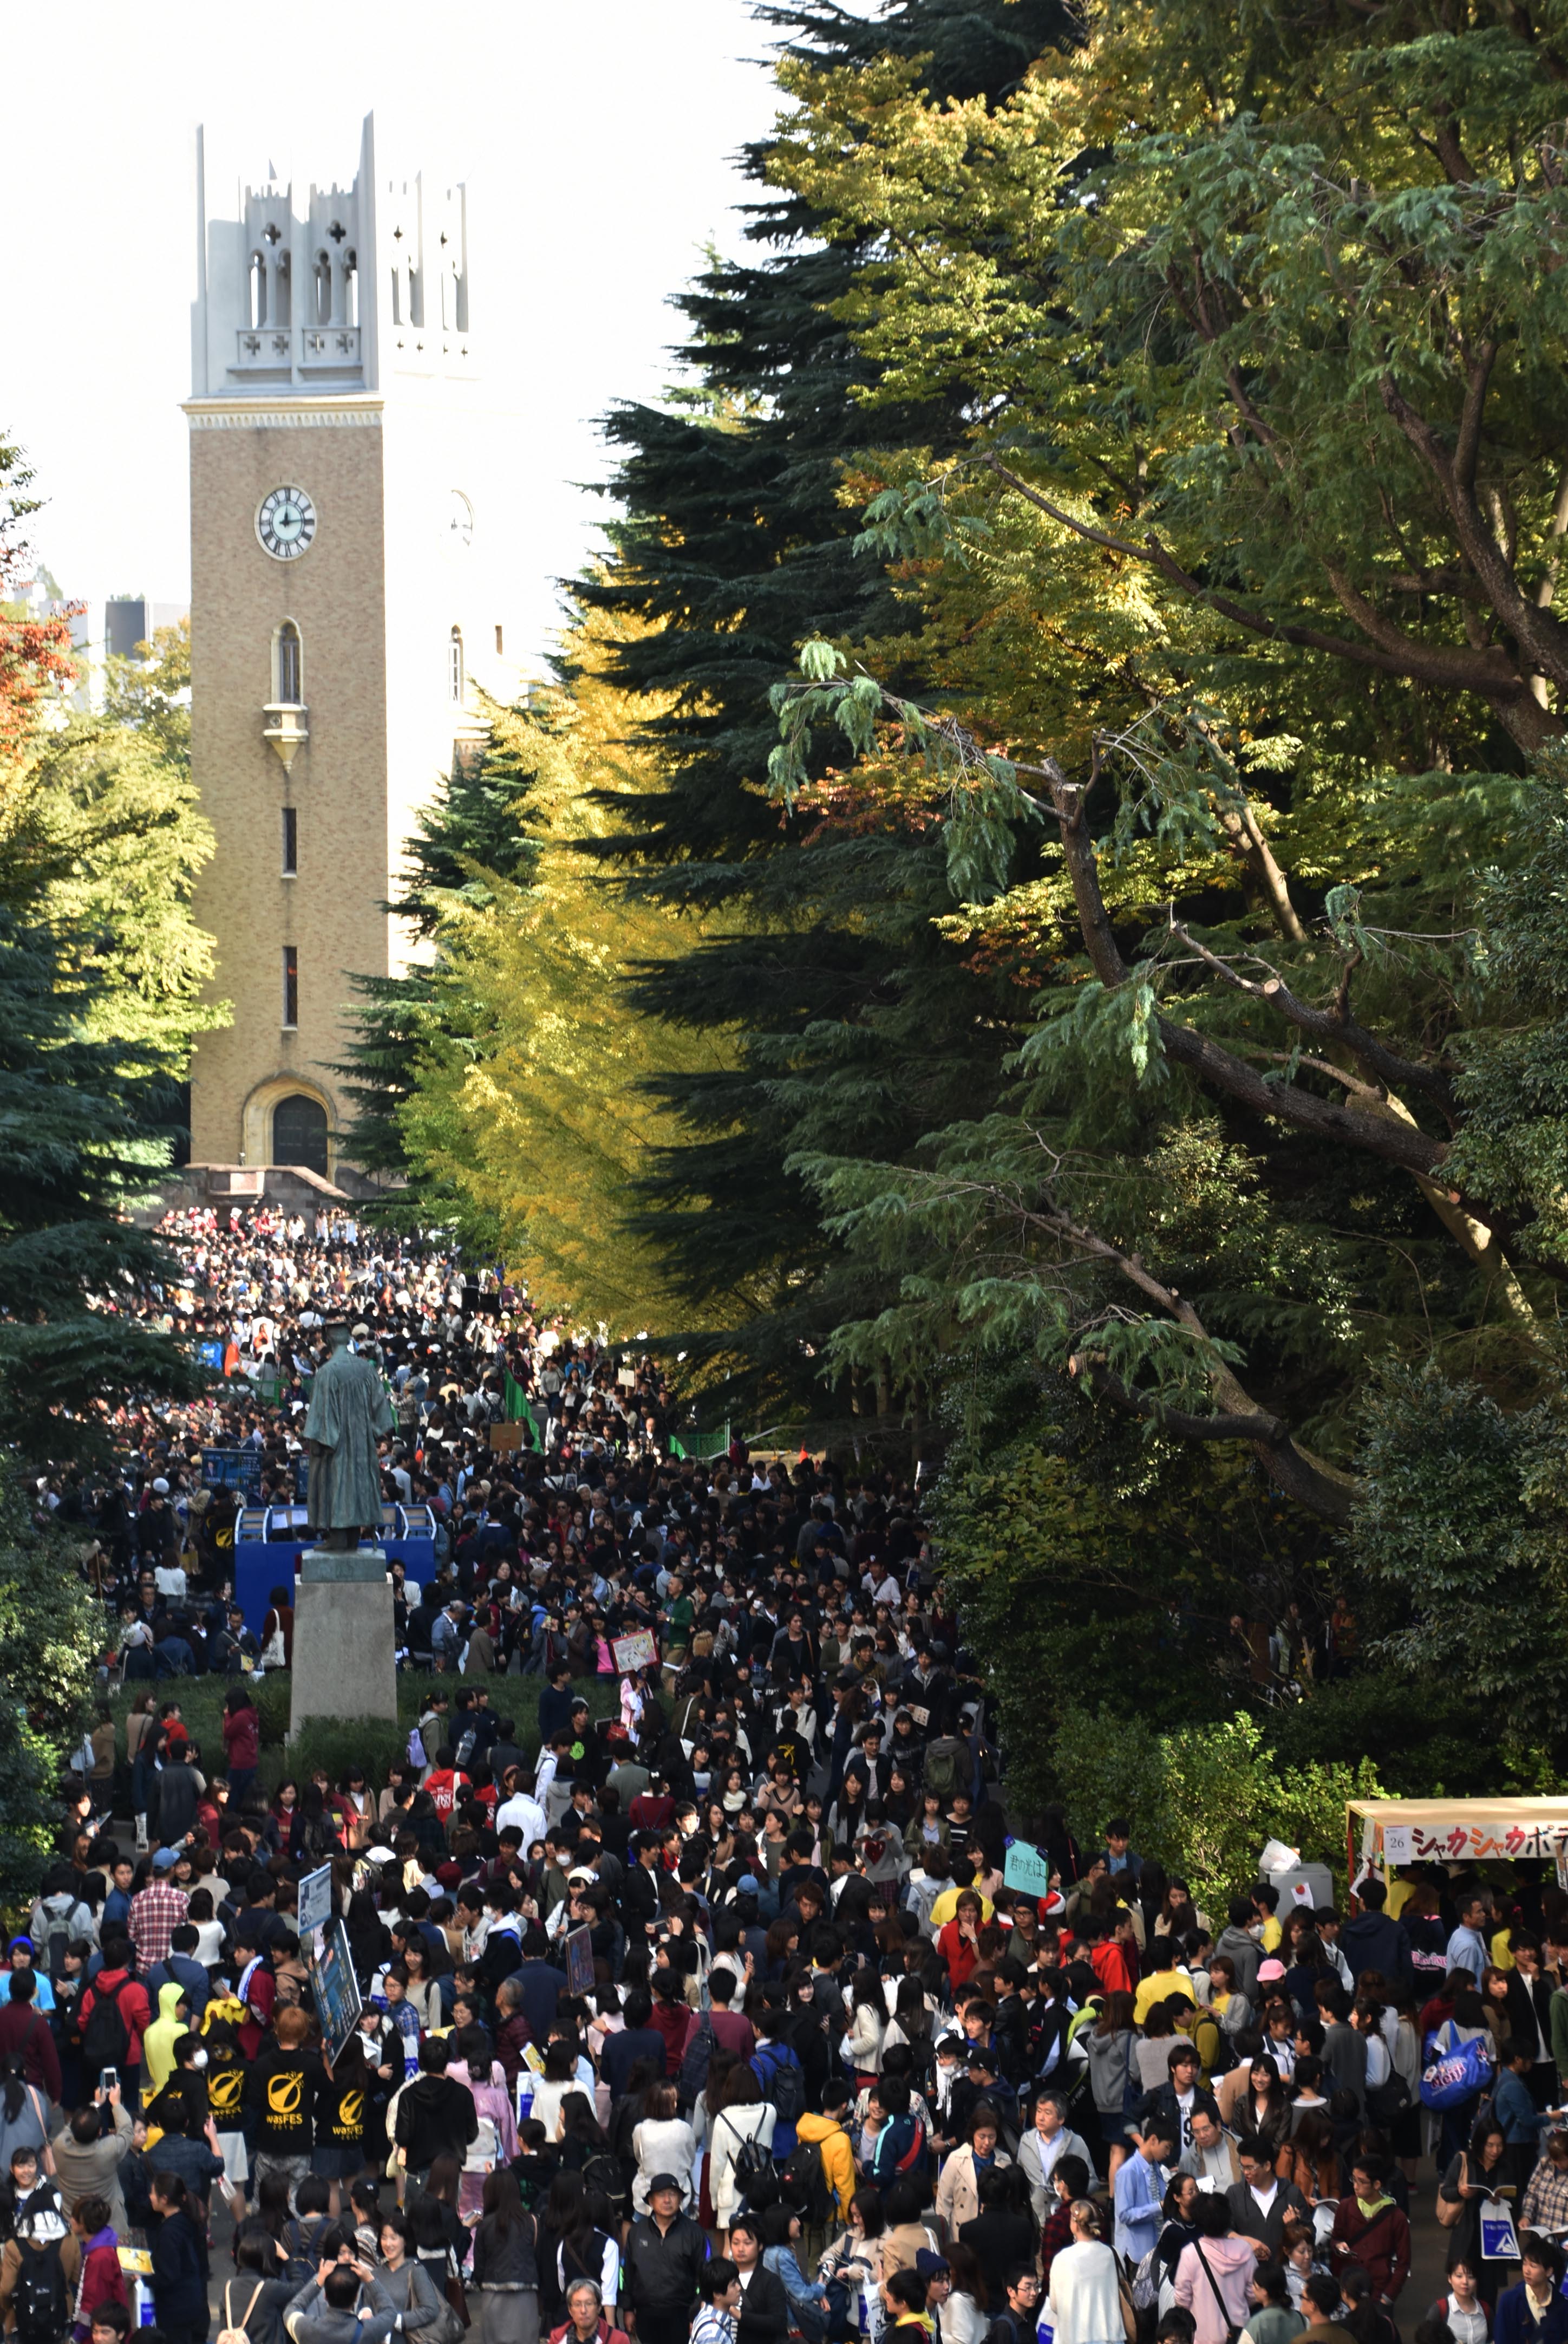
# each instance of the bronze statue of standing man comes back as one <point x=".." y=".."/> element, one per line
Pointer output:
<point x="348" y="1409"/>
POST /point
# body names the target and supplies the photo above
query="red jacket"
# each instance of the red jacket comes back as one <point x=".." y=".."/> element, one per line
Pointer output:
<point x="1115" y="1966"/>
<point x="1381" y="2246"/>
<point x="242" y="1738"/>
<point x="135" y="2009"/>
<point x="960" y="1954"/>
<point x="674" y="2021"/>
<point x="103" y="2281"/>
<point x="23" y="2028"/>
<point x="607" y="2334"/>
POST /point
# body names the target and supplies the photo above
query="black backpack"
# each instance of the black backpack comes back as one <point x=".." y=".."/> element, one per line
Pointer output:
<point x="39" y="2298"/>
<point x="606" y="2175"/>
<point x="806" y="2183"/>
<point x="106" y="2037"/>
<point x="693" y="2075"/>
<point x="783" y="2081"/>
<point x="754" y="2166"/>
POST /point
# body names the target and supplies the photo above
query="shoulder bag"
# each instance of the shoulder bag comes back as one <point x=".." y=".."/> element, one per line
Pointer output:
<point x="1231" y="2331"/>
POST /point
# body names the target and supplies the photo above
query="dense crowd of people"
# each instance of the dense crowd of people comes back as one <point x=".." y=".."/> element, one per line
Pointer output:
<point x="696" y="2003"/>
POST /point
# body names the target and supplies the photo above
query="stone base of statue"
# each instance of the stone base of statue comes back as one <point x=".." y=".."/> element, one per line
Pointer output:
<point x="343" y="1640"/>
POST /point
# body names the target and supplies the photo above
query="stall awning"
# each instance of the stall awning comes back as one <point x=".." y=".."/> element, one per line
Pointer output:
<point x="1455" y="1830"/>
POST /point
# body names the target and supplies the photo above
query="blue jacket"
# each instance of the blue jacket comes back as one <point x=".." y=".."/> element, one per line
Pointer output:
<point x="1513" y="2324"/>
<point x="1139" y="2191"/>
<point x="1515" y="2110"/>
<point x="190" y="1974"/>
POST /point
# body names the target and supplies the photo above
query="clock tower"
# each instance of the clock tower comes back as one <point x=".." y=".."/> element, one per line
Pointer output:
<point x="352" y="519"/>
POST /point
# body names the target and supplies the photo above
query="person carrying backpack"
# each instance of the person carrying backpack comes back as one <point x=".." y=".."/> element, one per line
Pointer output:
<point x="740" y="2137"/>
<point x="778" y="2070"/>
<point x="819" y="2176"/>
<point x="949" y="1767"/>
<point x="114" y="2014"/>
<point x="58" y="1916"/>
<point x="42" y="2261"/>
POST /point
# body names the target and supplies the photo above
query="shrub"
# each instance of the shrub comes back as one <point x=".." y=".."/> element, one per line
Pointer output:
<point x="1205" y="1798"/>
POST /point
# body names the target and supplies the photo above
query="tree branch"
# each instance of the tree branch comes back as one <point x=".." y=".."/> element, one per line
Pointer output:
<point x="1327" y="1025"/>
<point x="1319" y="1487"/>
<point x="1534" y="626"/>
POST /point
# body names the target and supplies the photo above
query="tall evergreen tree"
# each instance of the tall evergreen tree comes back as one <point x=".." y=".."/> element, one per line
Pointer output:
<point x="470" y="835"/>
<point x="100" y="968"/>
<point x="849" y="1020"/>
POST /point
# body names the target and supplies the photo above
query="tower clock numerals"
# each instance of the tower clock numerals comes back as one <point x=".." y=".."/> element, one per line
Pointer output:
<point x="285" y="523"/>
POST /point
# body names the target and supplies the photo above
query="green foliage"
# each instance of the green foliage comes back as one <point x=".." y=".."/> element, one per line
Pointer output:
<point x="1099" y="1568"/>
<point x="337" y="1746"/>
<point x="324" y="1743"/>
<point x="1204" y="1798"/>
<point x="1465" y="1512"/>
<point x="471" y="838"/>
<point x="822" y="1006"/>
<point x="51" y="1631"/>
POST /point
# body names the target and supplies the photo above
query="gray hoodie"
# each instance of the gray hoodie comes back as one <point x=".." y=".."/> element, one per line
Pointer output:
<point x="1242" y="1950"/>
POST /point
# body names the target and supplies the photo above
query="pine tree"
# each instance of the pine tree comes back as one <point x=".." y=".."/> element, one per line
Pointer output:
<point x="100" y="968"/>
<point x="470" y="835"/>
<point x="855" y="1020"/>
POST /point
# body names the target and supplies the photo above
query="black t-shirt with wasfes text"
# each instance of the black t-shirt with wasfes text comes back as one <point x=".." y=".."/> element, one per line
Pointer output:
<point x="281" y="2091"/>
<point x="342" y="2106"/>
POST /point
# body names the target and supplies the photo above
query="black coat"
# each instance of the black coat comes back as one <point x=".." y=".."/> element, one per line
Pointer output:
<point x="764" y="2310"/>
<point x="663" y="2270"/>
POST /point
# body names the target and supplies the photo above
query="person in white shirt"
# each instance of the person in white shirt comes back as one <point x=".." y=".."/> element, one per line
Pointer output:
<point x="527" y="1814"/>
<point x="1085" y="2293"/>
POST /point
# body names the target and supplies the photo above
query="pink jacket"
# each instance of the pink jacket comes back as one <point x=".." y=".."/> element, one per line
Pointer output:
<point x="1231" y="2262"/>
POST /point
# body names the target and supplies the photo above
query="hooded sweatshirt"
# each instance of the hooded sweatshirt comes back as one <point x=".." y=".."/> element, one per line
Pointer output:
<point x="158" y="2042"/>
<point x="1216" y="2308"/>
<point x="838" y="2156"/>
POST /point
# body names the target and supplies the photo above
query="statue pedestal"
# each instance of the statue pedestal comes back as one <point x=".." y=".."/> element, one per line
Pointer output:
<point x="344" y="1639"/>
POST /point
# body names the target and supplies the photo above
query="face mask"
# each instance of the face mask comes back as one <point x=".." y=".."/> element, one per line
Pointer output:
<point x="198" y="2059"/>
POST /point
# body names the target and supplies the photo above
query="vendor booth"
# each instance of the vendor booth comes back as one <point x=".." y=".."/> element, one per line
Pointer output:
<point x="269" y="1541"/>
<point x="1384" y="1833"/>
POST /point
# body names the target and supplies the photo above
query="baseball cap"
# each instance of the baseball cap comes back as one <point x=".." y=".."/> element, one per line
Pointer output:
<point x="1270" y="1971"/>
<point x="161" y="1486"/>
<point x="166" y="1859"/>
<point x="665" y="2181"/>
<point x="748" y="1884"/>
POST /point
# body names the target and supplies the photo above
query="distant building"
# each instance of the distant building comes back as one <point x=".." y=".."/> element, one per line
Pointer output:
<point x="355" y="519"/>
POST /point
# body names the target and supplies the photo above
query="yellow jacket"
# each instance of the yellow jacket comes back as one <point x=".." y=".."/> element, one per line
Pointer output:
<point x="838" y="2156"/>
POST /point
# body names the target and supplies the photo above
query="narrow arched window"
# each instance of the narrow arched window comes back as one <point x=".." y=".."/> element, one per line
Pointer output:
<point x="324" y="288"/>
<point x="456" y="679"/>
<point x="290" y="676"/>
<point x="258" y="291"/>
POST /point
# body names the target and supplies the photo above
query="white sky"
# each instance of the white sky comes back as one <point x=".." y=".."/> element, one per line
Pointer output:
<point x="597" y="140"/>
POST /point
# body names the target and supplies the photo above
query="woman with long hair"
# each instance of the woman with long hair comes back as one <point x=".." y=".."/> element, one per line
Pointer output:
<point x="1310" y="2161"/>
<point x="343" y="2110"/>
<point x="1265" y="2109"/>
<point x="1111" y="2046"/>
<point x="743" y="2114"/>
<point x="571" y="2247"/>
<point x="179" y="2253"/>
<point x="867" y="2027"/>
<point x="851" y="2271"/>
<point x="506" y="2263"/>
<point x="1474" y="2176"/>
<point x="661" y="2140"/>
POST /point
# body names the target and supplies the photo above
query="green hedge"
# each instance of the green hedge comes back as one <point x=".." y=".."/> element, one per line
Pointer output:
<point x="337" y="1744"/>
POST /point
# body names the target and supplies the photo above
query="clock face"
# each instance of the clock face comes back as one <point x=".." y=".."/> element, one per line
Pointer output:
<point x="285" y="523"/>
<point x="460" y="519"/>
